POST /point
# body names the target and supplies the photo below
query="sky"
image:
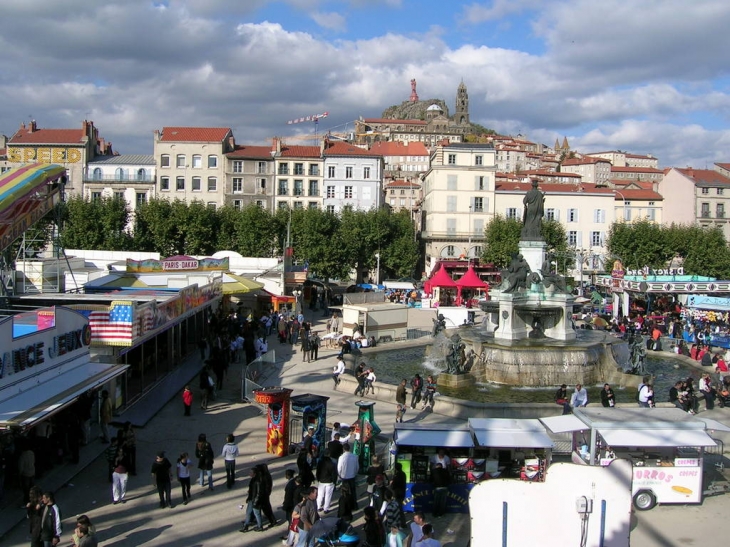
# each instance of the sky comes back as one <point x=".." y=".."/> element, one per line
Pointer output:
<point x="643" y="76"/>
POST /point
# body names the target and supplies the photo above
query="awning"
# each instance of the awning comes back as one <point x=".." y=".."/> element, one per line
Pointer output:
<point x="656" y="437"/>
<point x="510" y="433"/>
<point x="276" y="297"/>
<point x="563" y="424"/>
<point x="447" y="438"/>
<point x="399" y="285"/>
<point x="371" y="286"/>
<point x="713" y="424"/>
<point x="237" y="284"/>
<point x="46" y="398"/>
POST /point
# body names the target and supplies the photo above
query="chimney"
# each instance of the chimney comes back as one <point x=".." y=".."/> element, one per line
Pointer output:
<point x="32" y="127"/>
<point x="232" y="142"/>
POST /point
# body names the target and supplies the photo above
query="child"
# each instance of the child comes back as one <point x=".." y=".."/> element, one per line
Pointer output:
<point x="183" y="475"/>
<point x="187" y="397"/>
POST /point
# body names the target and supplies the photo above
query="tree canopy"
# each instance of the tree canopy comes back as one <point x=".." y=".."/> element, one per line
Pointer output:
<point x="502" y="238"/>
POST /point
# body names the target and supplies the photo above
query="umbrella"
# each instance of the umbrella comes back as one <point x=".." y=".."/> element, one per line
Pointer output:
<point x="237" y="284"/>
<point x="599" y="321"/>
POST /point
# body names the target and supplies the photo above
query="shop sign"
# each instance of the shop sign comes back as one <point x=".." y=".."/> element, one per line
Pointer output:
<point x="179" y="263"/>
<point x="44" y="154"/>
<point x="646" y="270"/>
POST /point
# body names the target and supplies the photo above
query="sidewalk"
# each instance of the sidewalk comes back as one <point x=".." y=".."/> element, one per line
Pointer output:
<point x="212" y="518"/>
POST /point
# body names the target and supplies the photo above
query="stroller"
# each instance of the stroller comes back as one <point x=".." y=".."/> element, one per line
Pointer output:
<point x="334" y="532"/>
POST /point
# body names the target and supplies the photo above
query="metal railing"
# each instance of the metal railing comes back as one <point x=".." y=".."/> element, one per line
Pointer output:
<point x="253" y="375"/>
<point x="414" y="334"/>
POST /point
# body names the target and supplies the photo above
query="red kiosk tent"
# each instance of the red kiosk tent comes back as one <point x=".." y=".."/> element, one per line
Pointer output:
<point x="470" y="280"/>
<point x="440" y="279"/>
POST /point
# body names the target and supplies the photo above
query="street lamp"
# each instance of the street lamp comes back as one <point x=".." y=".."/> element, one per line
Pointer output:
<point x="297" y="306"/>
<point x="624" y="200"/>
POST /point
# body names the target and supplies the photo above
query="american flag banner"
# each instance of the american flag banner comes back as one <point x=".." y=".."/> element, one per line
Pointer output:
<point x="112" y="326"/>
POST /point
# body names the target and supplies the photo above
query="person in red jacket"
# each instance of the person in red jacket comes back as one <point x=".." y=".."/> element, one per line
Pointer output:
<point x="187" y="397"/>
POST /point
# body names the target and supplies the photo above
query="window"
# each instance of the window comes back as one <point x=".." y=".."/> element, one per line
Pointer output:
<point x="451" y="182"/>
<point x="313" y="170"/>
<point x="719" y="191"/>
<point x="237" y="185"/>
<point x="331" y="171"/>
<point x="95" y="176"/>
<point x="366" y="172"/>
<point x="165" y="160"/>
<point x="180" y="184"/>
<point x="479" y="183"/>
<point x="298" y="187"/>
<point x="572" y="215"/>
<point x="392" y="202"/>
<point x="651" y="214"/>
<point x="451" y="204"/>
<point x="551" y="214"/>
<point x="452" y="159"/>
<point x="212" y="184"/>
<point x="451" y="226"/>
<point x="348" y="172"/>
<point x="312" y="205"/>
<point x="283" y="187"/>
<point x="298" y="169"/>
<point x="402" y="192"/>
<point x="705" y="210"/>
<point x="450" y="250"/>
<point x="180" y="161"/>
<point x="596" y="239"/>
<point x="237" y="204"/>
<point x="478" y="205"/>
<point x="330" y="192"/>
<point x="705" y="190"/>
<point x="298" y="205"/>
<point x="573" y="238"/>
<point x="141" y="198"/>
<point x="283" y="168"/>
<point x="627" y="211"/>
<point x="141" y="174"/>
<point x="720" y="210"/>
<point x="259" y="203"/>
<point x="95" y="196"/>
<point x="164" y="183"/>
<point x="262" y="186"/>
<point x="478" y="160"/>
<point x="402" y="202"/>
<point x="119" y="174"/>
<point x="118" y="195"/>
<point x="313" y="188"/>
<point x="599" y="216"/>
<point x="331" y="209"/>
<point x="348" y="192"/>
<point x="283" y="205"/>
<point x="196" y="184"/>
<point x="238" y="166"/>
<point x="212" y="161"/>
<point x="512" y="212"/>
<point x="211" y="205"/>
<point x="197" y="161"/>
<point x="261" y="168"/>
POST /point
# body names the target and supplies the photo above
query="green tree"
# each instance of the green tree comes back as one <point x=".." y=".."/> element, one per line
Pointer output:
<point x="501" y="240"/>
<point x="641" y="243"/>
<point x="399" y="258"/>
<point x="95" y="224"/>
<point x="154" y="228"/>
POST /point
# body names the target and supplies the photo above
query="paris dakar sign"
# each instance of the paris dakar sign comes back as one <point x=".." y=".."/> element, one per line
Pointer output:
<point x="646" y="270"/>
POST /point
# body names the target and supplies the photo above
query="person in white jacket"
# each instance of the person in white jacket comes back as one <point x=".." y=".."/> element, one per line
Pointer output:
<point x="229" y="453"/>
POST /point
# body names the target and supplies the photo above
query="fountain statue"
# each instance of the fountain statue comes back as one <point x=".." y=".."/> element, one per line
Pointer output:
<point x="637" y="352"/>
<point x="439" y="325"/>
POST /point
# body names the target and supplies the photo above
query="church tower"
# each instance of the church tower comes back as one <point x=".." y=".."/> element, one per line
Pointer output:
<point x="461" y="115"/>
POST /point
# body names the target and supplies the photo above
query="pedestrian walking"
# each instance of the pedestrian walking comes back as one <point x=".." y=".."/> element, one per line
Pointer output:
<point x="229" y="453"/>
<point x="307" y="518"/>
<point x="187" y="397"/>
<point x="34" y="513"/>
<point x="50" y="521"/>
<point x="361" y="371"/>
<point x="204" y="453"/>
<point x="337" y="371"/>
<point x="290" y="489"/>
<point x="184" y="465"/>
<point x="326" y="478"/>
<point x="130" y="447"/>
<point x="429" y="392"/>
<point x="206" y="386"/>
<point x="416" y="390"/>
<point x="26" y="467"/>
<point x="120" y="476"/>
<point x="162" y="479"/>
<point x="267" y="486"/>
<point x="400" y="401"/>
<point x="253" y="502"/>
<point x="110" y="453"/>
<point x="314" y="343"/>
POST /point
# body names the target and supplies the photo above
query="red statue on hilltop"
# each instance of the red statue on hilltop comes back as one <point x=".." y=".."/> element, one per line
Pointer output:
<point x="414" y="95"/>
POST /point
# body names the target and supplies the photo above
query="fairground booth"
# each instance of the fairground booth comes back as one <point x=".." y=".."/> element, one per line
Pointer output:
<point x="481" y="450"/>
<point x="46" y="366"/>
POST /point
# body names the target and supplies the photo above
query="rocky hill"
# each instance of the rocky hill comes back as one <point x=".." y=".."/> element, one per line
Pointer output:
<point x="413" y="111"/>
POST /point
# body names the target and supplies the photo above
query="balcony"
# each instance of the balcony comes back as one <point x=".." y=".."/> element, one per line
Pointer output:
<point x="283" y="192"/>
<point x="283" y="169"/>
<point x="705" y="214"/>
<point x="132" y="177"/>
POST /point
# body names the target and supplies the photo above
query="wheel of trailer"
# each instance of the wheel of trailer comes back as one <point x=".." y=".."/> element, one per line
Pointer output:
<point x="644" y="500"/>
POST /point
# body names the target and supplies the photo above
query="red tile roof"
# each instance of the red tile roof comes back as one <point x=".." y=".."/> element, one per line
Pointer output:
<point x="388" y="120"/>
<point x="546" y="173"/>
<point x="634" y="194"/>
<point x="339" y="148"/>
<point x="246" y="151"/>
<point x="705" y="176"/>
<point x="194" y="134"/>
<point x="397" y="148"/>
<point x="402" y="184"/>
<point x="48" y="136"/>
<point x="299" y="151"/>
<point x="723" y="165"/>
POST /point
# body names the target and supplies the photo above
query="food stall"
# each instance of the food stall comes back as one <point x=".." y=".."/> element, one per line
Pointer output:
<point x="514" y="448"/>
<point x="665" y="445"/>
<point x="414" y="446"/>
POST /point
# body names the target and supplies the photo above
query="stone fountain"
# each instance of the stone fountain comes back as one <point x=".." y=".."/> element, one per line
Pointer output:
<point x="527" y="337"/>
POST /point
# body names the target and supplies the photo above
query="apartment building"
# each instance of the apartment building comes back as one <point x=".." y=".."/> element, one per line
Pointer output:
<point x="298" y="171"/>
<point x="191" y="163"/>
<point x="402" y="159"/>
<point x="130" y="177"/>
<point x="458" y="200"/>
<point x="72" y="148"/>
<point x="624" y="159"/>
<point x="638" y="201"/>
<point x="592" y="170"/>
<point x="352" y="177"/>
<point x="643" y="174"/>
<point x="696" y="196"/>
<point x="250" y="177"/>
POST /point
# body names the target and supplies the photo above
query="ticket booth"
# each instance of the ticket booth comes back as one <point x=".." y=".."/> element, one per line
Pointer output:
<point x="311" y="410"/>
<point x="276" y="400"/>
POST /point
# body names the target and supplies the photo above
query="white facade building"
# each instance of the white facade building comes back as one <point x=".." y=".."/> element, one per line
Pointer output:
<point x="352" y="177"/>
<point x="127" y="176"/>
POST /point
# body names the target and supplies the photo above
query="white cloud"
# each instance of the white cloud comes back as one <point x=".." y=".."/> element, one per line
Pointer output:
<point x="331" y="20"/>
<point x="497" y="9"/>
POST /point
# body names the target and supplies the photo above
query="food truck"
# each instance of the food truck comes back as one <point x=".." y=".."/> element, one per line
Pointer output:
<point x="480" y="450"/>
<point x="665" y="446"/>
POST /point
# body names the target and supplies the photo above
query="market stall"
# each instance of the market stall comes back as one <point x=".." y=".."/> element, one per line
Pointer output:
<point x="665" y="445"/>
<point x="470" y="288"/>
